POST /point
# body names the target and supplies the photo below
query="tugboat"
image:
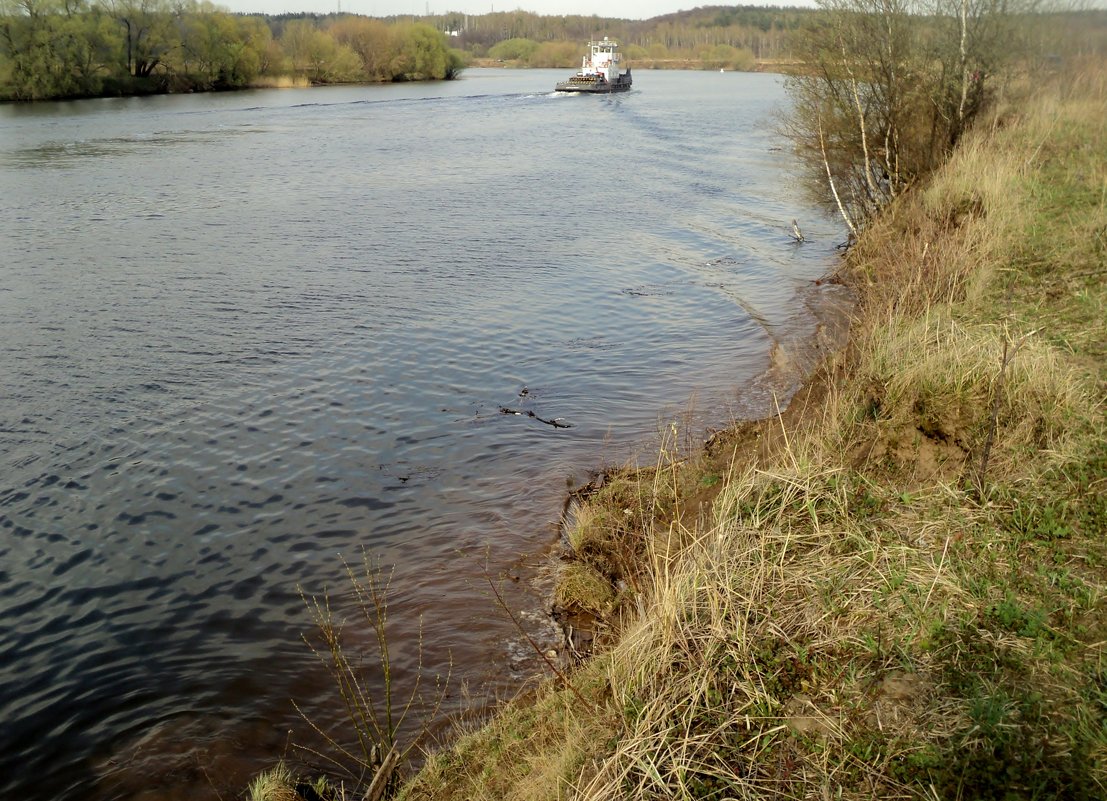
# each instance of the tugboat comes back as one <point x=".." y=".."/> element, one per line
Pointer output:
<point x="599" y="71"/>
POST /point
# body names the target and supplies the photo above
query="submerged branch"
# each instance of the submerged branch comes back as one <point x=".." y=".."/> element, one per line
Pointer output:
<point x="556" y="423"/>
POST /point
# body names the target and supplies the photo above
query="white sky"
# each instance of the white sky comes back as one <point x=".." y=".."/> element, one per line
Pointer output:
<point x="625" y="9"/>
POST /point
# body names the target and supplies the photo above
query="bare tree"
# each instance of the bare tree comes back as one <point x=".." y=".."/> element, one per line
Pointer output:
<point x="891" y="85"/>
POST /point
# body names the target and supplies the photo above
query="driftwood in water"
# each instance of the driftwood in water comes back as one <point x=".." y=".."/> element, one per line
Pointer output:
<point x="554" y="423"/>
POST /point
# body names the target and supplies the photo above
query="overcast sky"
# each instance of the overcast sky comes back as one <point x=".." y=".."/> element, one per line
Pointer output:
<point x="626" y="9"/>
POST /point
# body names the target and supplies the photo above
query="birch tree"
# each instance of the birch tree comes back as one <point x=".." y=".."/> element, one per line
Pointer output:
<point x="891" y="85"/>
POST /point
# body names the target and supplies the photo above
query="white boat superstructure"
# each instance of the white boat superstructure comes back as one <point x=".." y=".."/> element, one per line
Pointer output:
<point x="600" y="70"/>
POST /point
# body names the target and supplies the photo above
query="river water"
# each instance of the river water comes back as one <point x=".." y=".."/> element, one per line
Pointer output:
<point x="246" y="336"/>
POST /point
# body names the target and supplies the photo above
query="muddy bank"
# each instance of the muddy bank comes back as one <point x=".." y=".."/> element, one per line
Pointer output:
<point x="606" y="522"/>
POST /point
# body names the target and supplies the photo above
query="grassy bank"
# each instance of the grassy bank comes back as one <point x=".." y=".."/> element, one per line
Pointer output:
<point x="896" y="588"/>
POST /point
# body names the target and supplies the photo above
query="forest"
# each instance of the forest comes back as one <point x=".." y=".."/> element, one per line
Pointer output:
<point x="87" y="48"/>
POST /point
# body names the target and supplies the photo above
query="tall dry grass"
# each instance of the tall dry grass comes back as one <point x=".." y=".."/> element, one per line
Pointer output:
<point x="756" y="635"/>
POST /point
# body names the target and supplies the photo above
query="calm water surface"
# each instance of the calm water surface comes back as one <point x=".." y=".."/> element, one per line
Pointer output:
<point x="244" y="334"/>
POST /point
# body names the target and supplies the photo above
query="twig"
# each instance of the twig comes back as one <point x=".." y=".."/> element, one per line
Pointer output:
<point x="215" y="789"/>
<point x="376" y="726"/>
<point x="937" y="575"/>
<point x="555" y="423"/>
<point x="537" y="648"/>
<point x="797" y="233"/>
<point x="1009" y="351"/>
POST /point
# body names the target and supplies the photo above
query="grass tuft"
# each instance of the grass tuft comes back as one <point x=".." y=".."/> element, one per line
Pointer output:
<point x="275" y="784"/>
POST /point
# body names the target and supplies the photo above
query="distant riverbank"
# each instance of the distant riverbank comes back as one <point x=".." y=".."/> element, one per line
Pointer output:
<point x="184" y="86"/>
<point x="105" y="49"/>
<point x="112" y="50"/>
<point x="757" y="65"/>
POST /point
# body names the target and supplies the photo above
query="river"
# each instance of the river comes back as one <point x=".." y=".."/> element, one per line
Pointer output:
<point x="246" y="336"/>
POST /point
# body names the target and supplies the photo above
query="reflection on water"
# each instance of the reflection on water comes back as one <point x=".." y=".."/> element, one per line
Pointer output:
<point x="245" y="336"/>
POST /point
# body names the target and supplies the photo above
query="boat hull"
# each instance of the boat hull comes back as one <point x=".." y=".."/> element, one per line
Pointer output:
<point x="621" y="84"/>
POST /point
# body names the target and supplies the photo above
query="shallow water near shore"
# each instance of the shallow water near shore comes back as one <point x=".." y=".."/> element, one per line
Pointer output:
<point x="244" y="336"/>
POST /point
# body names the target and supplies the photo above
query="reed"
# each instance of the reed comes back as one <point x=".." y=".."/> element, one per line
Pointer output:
<point x="383" y="721"/>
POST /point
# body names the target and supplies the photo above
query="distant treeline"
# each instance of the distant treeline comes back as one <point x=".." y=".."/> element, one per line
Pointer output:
<point x="709" y="33"/>
<point x="86" y="48"/>
<point x="719" y="36"/>
<point x="82" y="48"/>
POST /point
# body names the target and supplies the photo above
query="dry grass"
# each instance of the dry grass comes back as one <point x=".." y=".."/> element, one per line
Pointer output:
<point x="281" y="784"/>
<point x="273" y="785"/>
<point x="757" y="638"/>
<point x="938" y="380"/>
<point x="532" y="749"/>
<point x="280" y="82"/>
<point x="580" y="587"/>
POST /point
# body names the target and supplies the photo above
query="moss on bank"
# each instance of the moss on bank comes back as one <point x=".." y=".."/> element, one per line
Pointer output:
<point x="896" y="588"/>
